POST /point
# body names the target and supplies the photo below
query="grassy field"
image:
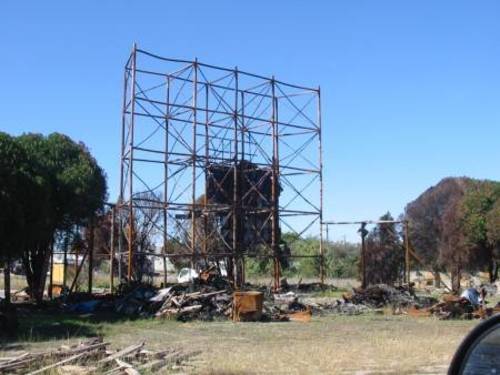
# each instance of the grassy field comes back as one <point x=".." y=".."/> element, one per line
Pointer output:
<point x="331" y="344"/>
<point x="367" y="344"/>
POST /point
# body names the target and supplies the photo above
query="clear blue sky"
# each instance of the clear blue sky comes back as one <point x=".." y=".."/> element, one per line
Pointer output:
<point x="410" y="89"/>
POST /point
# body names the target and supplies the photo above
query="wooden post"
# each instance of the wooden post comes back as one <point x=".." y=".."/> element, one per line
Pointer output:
<point x="65" y="260"/>
<point x="91" y="254"/>
<point x="6" y="275"/>
<point x="51" y="277"/>
<point x="112" y="252"/>
<point x="363" y="232"/>
<point x="77" y="256"/>
<point x="165" y="276"/>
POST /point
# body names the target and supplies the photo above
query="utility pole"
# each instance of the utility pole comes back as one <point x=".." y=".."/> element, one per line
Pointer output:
<point x="407" y="252"/>
<point x="363" y="232"/>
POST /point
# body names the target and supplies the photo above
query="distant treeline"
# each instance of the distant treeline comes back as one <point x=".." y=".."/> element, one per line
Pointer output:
<point x="454" y="227"/>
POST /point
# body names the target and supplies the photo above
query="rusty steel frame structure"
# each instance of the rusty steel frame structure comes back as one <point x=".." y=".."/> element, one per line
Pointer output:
<point x="179" y="119"/>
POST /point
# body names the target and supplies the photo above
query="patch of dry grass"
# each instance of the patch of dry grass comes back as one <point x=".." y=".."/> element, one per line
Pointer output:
<point x="327" y="345"/>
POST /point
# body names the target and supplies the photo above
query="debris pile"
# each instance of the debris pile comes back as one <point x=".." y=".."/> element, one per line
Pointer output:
<point x="382" y="295"/>
<point x="336" y="306"/>
<point x="285" y="307"/>
<point x="93" y="356"/>
<point x="204" y="304"/>
<point x="453" y="307"/>
<point x="210" y="297"/>
<point x="206" y="298"/>
<point x="371" y="299"/>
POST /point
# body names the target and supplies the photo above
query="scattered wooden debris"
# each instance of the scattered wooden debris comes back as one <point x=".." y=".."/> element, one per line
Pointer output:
<point x="301" y="316"/>
<point x="203" y="304"/>
<point x="382" y="295"/>
<point x="91" y="356"/>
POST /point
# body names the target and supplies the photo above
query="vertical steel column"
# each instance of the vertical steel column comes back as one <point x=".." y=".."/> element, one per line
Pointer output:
<point x="131" y="167"/>
<point x="242" y="158"/>
<point x="122" y="170"/>
<point x="120" y="244"/>
<point x="206" y="166"/>
<point x="321" y="248"/>
<point x="193" y="161"/>
<point x="237" y="259"/>
<point x="242" y="127"/>
<point x="165" y="186"/>
<point x="274" y="188"/>
<point x="124" y="122"/>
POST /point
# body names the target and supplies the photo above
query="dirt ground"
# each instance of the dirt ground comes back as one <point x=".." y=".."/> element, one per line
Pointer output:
<point x="364" y="344"/>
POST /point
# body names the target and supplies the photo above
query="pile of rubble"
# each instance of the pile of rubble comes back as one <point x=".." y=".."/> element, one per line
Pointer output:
<point x="371" y="299"/>
<point x="455" y="307"/>
<point x="382" y="295"/>
<point x="206" y="298"/>
<point x="325" y="305"/>
<point x="210" y="297"/>
<point x="93" y="356"/>
<point x="203" y="305"/>
<point x="286" y="307"/>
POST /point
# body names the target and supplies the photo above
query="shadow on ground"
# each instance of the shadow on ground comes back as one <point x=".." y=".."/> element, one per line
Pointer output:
<point x="36" y="326"/>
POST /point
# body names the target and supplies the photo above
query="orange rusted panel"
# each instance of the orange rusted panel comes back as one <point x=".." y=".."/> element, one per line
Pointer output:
<point x="412" y="311"/>
<point x="301" y="316"/>
<point x="247" y="306"/>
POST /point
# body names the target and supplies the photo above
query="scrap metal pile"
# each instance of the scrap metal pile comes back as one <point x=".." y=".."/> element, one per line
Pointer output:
<point x="382" y="295"/>
<point x="212" y="297"/>
<point x="93" y="356"/>
<point x="209" y="297"/>
<point x="373" y="298"/>
<point x="455" y="307"/>
<point x="404" y="300"/>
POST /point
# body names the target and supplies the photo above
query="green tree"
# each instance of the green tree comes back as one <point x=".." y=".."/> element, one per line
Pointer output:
<point x="493" y="227"/>
<point x="13" y="184"/>
<point x="72" y="189"/>
<point x="479" y="217"/>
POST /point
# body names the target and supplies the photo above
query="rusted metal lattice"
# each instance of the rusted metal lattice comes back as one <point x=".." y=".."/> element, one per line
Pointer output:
<point x="231" y="161"/>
